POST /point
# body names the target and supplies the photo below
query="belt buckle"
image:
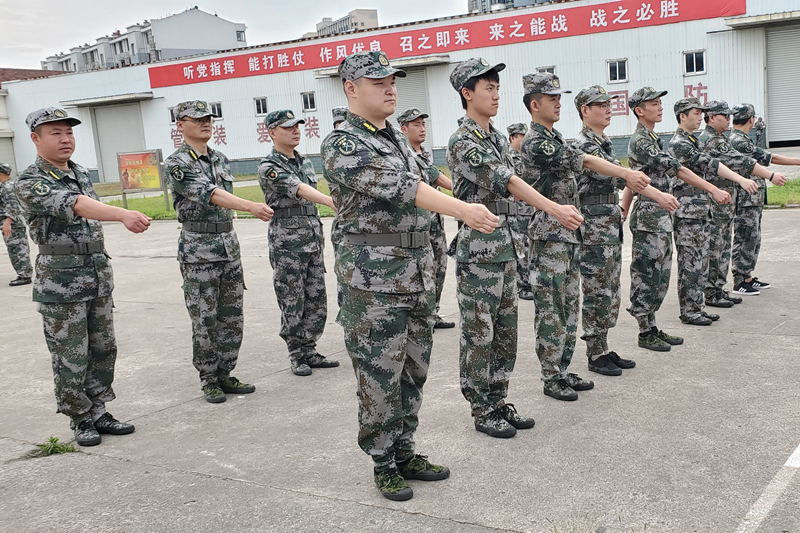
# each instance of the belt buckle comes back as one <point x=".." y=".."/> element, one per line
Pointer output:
<point x="82" y="248"/>
<point x="415" y="240"/>
<point x="405" y="240"/>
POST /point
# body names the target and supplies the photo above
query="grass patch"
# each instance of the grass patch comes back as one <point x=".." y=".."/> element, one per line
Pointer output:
<point x="787" y="195"/>
<point x="52" y="447"/>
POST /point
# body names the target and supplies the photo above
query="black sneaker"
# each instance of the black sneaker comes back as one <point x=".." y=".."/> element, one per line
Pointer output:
<point x="619" y="361"/>
<point x="560" y="391"/>
<point x="419" y="468"/>
<point x="603" y="365"/>
<point x="672" y="340"/>
<point x="112" y="426"/>
<point x="231" y="385"/>
<point x="393" y="486"/>
<point x="300" y="367"/>
<point x="696" y="321"/>
<point x="510" y="414"/>
<point x="20" y="281"/>
<point x="757" y="284"/>
<point x="745" y="289"/>
<point x="320" y="361"/>
<point x="728" y="296"/>
<point x="722" y="302"/>
<point x="711" y="316"/>
<point x="494" y="425"/>
<point x="443" y="324"/>
<point x="86" y="434"/>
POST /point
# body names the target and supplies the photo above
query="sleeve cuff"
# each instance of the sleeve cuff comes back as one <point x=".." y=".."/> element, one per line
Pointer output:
<point x="500" y="180"/>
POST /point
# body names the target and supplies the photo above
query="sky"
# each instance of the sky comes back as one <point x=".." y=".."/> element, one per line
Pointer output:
<point x="31" y="30"/>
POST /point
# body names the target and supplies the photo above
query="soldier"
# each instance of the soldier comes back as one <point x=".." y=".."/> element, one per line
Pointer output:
<point x="651" y="224"/>
<point x="516" y="132"/>
<point x="412" y="124"/>
<point x="486" y="267"/>
<point x="600" y="254"/>
<point x="549" y="165"/>
<point x="296" y="243"/>
<point x="73" y="284"/>
<point x="208" y="250"/>
<point x="712" y="140"/>
<point x="385" y="266"/>
<point x="761" y="127"/>
<point x="692" y="221"/>
<point x="747" y="224"/>
<point x="339" y="116"/>
<point x="14" y="232"/>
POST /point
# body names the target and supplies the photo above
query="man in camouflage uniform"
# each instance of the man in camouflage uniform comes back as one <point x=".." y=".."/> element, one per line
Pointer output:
<point x="385" y="266"/>
<point x="73" y="284"/>
<point x="516" y="132"/>
<point x="761" y="127"/>
<point x="692" y="221"/>
<point x="550" y="165"/>
<point x="713" y="141"/>
<point x="747" y="224"/>
<point x="651" y="224"/>
<point x="296" y="243"/>
<point x="14" y="233"/>
<point x="208" y="250"/>
<point x="412" y="124"/>
<point x="339" y="116"/>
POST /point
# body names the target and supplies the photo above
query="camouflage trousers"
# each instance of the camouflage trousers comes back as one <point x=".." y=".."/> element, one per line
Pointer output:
<point x="555" y="278"/>
<point x="719" y="257"/>
<point x="80" y="337"/>
<point x="389" y="339"/>
<point x="214" y="294"/>
<point x="18" y="251"/>
<point x="523" y="264"/>
<point x="487" y="299"/>
<point x="299" y="281"/>
<point x="651" y="263"/>
<point x="746" y="242"/>
<point x="439" y="244"/>
<point x="691" y="244"/>
<point x="600" y="268"/>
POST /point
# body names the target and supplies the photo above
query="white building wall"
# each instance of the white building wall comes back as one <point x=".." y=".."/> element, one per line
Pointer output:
<point x="207" y="33"/>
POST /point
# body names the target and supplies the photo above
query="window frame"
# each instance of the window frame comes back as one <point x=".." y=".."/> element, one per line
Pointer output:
<point x="303" y="99"/>
<point x="171" y="111"/>
<point x="214" y="115"/>
<point x="266" y="106"/>
<point x="684" y="56"/>
<point x="617" y="61"/>
<point x="243" y="36"/>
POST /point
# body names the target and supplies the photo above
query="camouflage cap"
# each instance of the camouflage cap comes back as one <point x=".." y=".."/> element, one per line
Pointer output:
<point x="192" y="109"/>
<point x="373" y="65"/>
<point x="410" y="114"/>
<point x="517" y="129"/>
<point x="542" y="83"/>
<point x="687" y="104"/>
<point x="339" y="114"/>
<point x="718" y="107"/>
<point x="593" y="94"/>
<point x="49" y="114"/>
<point x="5" y="169"/>
<point x="645" y="94"/>
<point x="471" y="68"/>
<point x="283" y="118"/>
<point x="743" y="112"/>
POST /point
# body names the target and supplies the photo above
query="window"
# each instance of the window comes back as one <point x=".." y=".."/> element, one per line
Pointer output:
<point x="617" y="70"/>
<point x="216" y="110"/>
<point x="261" y="105"/>
<point x="309" y="103"/>
<point x="240" y="36"/>
<point x="542" y="70"/>
<point x="694" y="62"/>
<point x="172" y="115"/>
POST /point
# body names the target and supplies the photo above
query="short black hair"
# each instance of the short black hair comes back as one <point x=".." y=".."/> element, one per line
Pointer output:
<point x="740" y="122"/>
<point x="678" y="117"/>
<point x="492" y="76"/>
<point x="511" y="137"/>
<point x="705" y="117"/>
<point x="528" y="98"/>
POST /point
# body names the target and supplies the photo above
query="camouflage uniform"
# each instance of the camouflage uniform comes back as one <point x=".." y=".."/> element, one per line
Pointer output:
<point x="384" y="264"/>
<point x="722" y="215"/>
<point x="17" y="242"/>
<point x="692" y="220"/>
<point x="524" y="216"/>
<point x="213" y="281"/>
<point x="296" y="248"/>
<point x="760" y="128"/>
<point x="747" y="224"/>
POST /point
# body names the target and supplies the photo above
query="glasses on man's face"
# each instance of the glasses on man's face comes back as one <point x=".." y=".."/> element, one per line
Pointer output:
<point x="204" y="120"/>
<point x="605" y="105"/>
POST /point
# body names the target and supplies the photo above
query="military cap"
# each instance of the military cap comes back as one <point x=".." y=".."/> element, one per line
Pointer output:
<point x="517" y="129"/>
<point x="339" y="115"/>
<point x="471" y="68"/>
<point x="460" y="121"/>
<point x="49" y="114"/>
<point x="373" y="65"/>
<point x="283" y="118"/>
<point x="743" y="112"/>
<point x="5" y="169"/>
<point x="593" y="94"/>
<point x="542" y="83"/>
<point x="718" y="107"/>
<point x="192" y="109"/>
<point x="410" y="114"/>
<point x="645" y="94"/>
<point x="687" y="104"/>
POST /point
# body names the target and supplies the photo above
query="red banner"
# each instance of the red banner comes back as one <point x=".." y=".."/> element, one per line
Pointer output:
<point x="521" y="27"/>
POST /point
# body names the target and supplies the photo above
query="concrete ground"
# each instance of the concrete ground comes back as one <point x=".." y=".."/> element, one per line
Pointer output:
<point x="693" y="440"/>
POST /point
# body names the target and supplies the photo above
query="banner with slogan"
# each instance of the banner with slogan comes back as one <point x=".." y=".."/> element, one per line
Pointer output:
<point x="518" y="27"/>
<point x="140" y="170"/>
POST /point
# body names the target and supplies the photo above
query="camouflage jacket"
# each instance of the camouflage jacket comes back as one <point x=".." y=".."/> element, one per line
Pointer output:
<point x="549" y="165"/>
<point x="717" y="145"/>
<point x="9" y="205"/>
<point x="603" y="222"/>
<point x="685" y="147"/>
<point x="430" y="174"/>
<point x="524" y="209"/>
<point x="280" y="178"/>
<point x="480" y="166"/>
<point x="47" y="196"/>
<point x="646" y="153"/>
<point x="376" y="177"/>
<point x="742" y="143"/>
<point x="193" y="179"/>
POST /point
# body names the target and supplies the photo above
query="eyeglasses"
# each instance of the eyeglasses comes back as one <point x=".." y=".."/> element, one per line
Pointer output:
<point x="204" y="120"/>
<point x="605" y="105"/>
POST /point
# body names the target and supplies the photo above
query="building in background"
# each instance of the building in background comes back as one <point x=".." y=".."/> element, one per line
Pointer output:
<point x="487" y="6"/>
<point x="356" y="20"/>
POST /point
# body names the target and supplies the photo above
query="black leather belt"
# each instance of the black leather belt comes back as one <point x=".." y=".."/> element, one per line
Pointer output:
<point x="303" y="210"/>
<point x="208" y="227"/>
<point x="418" y="239"/>
<point x="688" y="191"/>
<point x="600" y="199"/>
<point x="502" y="208"/>
<point x="81" y="248"/>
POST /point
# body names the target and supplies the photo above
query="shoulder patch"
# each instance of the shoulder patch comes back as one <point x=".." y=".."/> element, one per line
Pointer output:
<point x="176" y="173"/>
<point x="41" y="188"/>
<point x="547" y="148"/>
<point x="723" y="147"/>
<point x="345" y="145"/>
<point x="272" y="174"/>
<point x="749" y="147"/>
<point x="473" y="157"/>
<point x="652" y="151"/>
